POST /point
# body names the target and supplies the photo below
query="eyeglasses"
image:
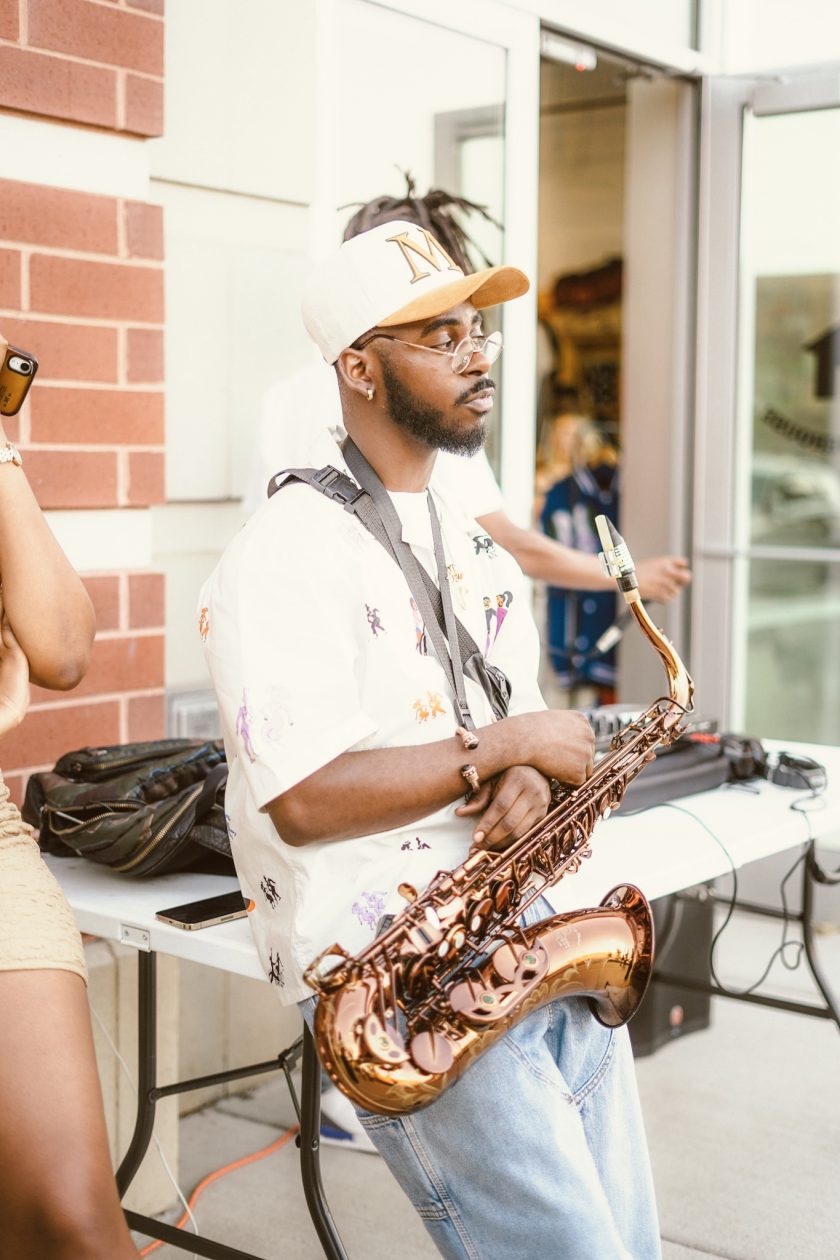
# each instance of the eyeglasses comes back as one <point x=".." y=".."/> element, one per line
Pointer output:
<point x="461" y="356"/>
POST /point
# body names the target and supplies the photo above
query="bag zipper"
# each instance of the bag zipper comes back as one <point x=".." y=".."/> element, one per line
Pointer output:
<point x="52" y="811"/>
<point x="164" y="831"/>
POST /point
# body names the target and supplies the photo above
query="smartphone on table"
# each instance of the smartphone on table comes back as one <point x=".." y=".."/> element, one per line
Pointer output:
<point x="207" y="912"/>
<point x="16" y="375"/>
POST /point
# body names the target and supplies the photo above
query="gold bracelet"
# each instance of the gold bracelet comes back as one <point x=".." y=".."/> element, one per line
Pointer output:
<point x="9" y="454"/>
<point x="468" y="738"/>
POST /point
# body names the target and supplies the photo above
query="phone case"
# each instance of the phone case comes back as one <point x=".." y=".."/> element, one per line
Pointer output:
<point x="16" y="376"/>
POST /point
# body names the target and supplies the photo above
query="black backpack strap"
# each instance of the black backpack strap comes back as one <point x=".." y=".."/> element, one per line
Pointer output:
<point x="328" y="480"/>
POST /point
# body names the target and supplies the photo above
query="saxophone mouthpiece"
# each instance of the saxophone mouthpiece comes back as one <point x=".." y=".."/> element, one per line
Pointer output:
<point x="615" y="556"/>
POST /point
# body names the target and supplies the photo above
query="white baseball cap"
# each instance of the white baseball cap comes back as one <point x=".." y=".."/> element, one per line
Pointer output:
<point x="394" y="274"/>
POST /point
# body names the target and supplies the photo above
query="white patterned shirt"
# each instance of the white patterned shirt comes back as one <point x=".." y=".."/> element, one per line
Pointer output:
<point x="315" y="647"/>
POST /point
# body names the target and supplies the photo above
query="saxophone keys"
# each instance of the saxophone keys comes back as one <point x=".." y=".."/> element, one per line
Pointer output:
<point x="454" y="941"/>
<point x="518" y="963"/>
<point x="504" y="894"/>
<point x="431" y="1052"/>
<point x="408" y="892"/>
<point x="384" y="1042"/>
<point x="479" y="1004"/>
<point x="480" y="914"/>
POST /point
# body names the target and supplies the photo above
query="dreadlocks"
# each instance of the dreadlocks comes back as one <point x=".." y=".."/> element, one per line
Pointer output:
<point x="433" y="212"/>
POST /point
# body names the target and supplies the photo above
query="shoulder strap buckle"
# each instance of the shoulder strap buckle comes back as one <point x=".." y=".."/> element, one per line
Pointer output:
<point x="328" y="480"/>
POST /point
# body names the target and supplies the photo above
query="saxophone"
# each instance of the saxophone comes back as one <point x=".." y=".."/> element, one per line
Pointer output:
<point x="398" y="1023"/>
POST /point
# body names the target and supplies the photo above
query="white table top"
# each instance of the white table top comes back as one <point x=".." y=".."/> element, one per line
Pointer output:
<point x="659" y="849"/>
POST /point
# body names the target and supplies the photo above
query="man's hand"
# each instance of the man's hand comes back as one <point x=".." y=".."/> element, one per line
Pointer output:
<point x="557" y="742"/>
<point x="662" y="577"/>
<point x="509" y="806"/>
<point x="14" y="678"/>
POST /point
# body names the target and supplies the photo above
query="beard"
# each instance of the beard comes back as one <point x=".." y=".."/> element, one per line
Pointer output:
<point x="427" y="423"/>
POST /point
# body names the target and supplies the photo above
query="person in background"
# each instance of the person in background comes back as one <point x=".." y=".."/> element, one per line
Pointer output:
<point x="299" y="408"/>
<point x="58" y="1198"/>
<point x="578" y="479"/>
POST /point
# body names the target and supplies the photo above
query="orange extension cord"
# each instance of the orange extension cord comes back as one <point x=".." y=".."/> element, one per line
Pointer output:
<point x="222" y="1172"/>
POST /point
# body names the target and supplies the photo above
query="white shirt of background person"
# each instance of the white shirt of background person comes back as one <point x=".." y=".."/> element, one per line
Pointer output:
<point x="299" y="408"/>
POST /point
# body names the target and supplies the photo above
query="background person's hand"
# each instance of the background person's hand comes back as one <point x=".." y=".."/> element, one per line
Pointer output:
<point x="509" y="806"/>
<point x="662" y="577"/>
<point x="14" y="677"/>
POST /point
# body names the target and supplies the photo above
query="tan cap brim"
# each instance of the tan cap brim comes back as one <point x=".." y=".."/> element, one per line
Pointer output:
<point x="485" y="288"/>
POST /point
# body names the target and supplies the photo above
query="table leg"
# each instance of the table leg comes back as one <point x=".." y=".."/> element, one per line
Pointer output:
<point x="148" y="1093"/>
<point x="146" y="1070"/>
<point x="310" y="1148"/>
<point x="811" y="875"/>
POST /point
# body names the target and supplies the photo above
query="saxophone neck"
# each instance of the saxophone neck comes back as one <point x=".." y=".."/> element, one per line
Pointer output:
<point x="618" y="564"/>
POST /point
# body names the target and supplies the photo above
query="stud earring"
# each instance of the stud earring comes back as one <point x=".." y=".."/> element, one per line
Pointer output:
<point x="370" y="395"/>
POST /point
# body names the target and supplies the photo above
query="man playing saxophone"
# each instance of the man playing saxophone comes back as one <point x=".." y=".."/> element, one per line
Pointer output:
<point x="353" y="736"/>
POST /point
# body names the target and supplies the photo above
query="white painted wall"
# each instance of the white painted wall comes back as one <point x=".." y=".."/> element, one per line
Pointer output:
<point x="760" y="35"/>
<point x="234" y="173"/>
<point x="240" y="99"/>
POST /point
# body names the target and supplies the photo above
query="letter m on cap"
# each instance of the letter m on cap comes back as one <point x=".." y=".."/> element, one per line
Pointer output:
<point x="432" y="253"/>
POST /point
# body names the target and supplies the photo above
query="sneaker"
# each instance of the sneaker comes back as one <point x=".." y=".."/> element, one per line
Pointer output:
<point x="340" y="1126"/>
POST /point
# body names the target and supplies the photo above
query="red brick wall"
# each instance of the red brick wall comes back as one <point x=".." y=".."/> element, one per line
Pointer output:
<point x="81" y="286"/>
<point x="87" y="61"/>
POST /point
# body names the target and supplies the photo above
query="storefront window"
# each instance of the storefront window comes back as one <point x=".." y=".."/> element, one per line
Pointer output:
<point x="791" y="409"/>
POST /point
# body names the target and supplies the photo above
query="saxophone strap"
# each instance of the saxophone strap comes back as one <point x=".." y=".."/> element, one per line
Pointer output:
<point x="371" y="503"/>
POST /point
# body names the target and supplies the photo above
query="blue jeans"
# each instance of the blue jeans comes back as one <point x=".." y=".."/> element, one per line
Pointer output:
<point x="537" y="1153"/>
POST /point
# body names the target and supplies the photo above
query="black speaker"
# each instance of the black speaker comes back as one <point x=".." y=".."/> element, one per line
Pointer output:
<point x="684" y="926"/>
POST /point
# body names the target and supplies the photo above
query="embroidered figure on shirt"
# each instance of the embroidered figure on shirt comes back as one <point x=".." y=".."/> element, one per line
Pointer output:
<point x="431" y="707"/>
<point x="230" y="830"/>
<point x="484" y="543"/>
<point x="490" y="618"/>
<point x="204" y="625"/>
<point x="436" y="704"/>
<point x="503" y="603"/>
<point x="369" y="908"/>
<point x="457" y="585"/>
<point x="418" y="844"/>
<point x="275" y="970"/>
<point x="374" y="621"/>
<point x="419" y="629"/>
<point x="268" y="888"/>
<point x="243" y="727"/>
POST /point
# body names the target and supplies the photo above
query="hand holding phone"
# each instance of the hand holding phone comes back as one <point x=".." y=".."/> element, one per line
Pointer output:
<point x="16" y="376"/>
<point x="207" y="912"/>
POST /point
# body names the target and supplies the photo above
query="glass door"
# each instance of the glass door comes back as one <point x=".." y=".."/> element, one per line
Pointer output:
<point x="768" y="469"/>
<point x="789" y="411"/>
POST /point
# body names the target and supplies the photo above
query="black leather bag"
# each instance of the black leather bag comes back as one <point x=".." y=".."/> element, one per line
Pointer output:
<point x="142" y="809"/>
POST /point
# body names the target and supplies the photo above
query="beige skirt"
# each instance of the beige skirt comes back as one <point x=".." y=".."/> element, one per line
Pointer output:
<point x="37" y="928"/>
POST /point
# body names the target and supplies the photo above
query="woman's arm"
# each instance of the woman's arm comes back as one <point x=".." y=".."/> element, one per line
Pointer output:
<point x="47" y="606"/>
<point x="14" y="678"/>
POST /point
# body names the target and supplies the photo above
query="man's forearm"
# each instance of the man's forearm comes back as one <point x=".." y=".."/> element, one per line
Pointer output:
<point x="379" y="789"/>
<point x="383" y="788"/>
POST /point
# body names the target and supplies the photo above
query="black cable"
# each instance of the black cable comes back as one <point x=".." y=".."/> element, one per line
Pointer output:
<point x="798" y="806"/>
